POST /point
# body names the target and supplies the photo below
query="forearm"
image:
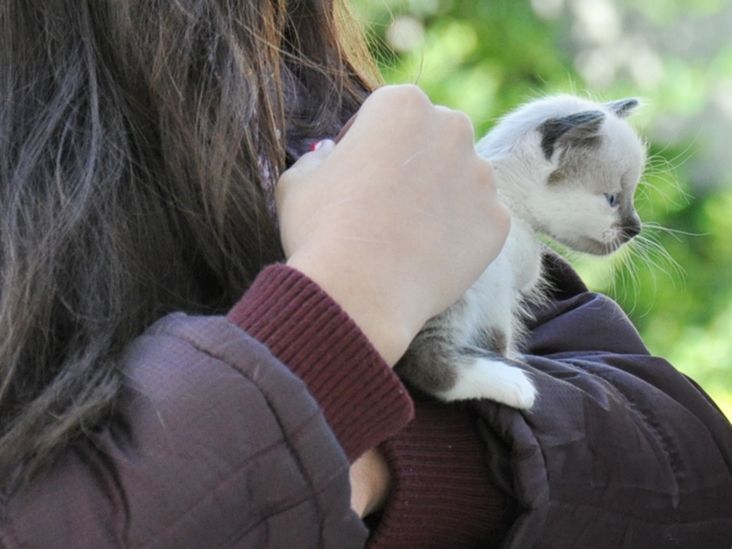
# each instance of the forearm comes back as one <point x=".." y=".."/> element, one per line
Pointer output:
<point x="431" y="474"/>
<point x="361" y="397"/>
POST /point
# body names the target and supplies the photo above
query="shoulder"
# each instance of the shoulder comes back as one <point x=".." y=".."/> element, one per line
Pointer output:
<point x="218" y="439"/>
<point x="207" y="361"/>
<point x="618" y="441"/>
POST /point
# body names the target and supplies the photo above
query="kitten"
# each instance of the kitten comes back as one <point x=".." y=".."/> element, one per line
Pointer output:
<point x="567" y="168"/>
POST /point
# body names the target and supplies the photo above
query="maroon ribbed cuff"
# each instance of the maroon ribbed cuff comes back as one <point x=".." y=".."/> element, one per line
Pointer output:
<point x="362" y="399"/>
<point x="441" y="494"/>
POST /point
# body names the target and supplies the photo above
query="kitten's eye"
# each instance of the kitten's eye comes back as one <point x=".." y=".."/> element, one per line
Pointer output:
<point x="612" y="199"/>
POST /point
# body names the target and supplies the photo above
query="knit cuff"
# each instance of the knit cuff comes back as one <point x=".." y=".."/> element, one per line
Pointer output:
<point x="441" y="493"/>
<point x="362" y="398"/>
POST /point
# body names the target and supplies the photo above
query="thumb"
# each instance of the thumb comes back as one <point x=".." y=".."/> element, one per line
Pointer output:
<point x="311" y="160"/>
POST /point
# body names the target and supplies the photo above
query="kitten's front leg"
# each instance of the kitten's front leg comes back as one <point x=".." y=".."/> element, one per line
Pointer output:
<point x="492" y="378"/>
<point x="438" y="364"/>
<point x="429" y="363"/>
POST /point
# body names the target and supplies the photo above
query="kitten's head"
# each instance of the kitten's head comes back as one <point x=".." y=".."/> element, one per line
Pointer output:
<point x="570" y="167"/>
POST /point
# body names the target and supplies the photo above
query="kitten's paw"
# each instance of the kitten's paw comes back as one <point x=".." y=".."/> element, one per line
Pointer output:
<point x="490" y="378"/>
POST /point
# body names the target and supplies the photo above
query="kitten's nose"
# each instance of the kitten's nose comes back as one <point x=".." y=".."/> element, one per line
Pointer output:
<point x="629" y="231"/>
<point x="630" y="225"/>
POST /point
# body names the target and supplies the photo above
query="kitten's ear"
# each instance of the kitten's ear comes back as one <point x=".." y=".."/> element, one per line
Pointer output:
<point x="578" y="128"/>
<point x="623" y="107"/>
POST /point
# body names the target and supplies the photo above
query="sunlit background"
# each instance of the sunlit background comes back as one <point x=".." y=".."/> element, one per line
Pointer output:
<point x="486" y="56"/>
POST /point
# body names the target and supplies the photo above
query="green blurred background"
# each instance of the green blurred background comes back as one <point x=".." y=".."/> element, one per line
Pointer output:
<point x="487" y="56"/>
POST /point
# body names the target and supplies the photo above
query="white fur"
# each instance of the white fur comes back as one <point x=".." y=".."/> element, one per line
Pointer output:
<point x="486" y="378"/>
<point x="573" y="212"/>
<point x="521" y="171"/>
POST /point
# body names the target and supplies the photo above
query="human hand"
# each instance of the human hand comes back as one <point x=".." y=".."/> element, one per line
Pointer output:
<point x="398" y="219"/>
<point x="370" y="479"/>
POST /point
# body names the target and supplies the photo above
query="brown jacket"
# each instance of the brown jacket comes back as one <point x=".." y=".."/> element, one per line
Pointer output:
<point x="225" y="447"/>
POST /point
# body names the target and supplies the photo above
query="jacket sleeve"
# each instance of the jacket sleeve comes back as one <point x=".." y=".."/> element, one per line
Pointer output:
<point x="620" y="449"/>
<point x="440" y="494"/>
<point x="219" y="444"/>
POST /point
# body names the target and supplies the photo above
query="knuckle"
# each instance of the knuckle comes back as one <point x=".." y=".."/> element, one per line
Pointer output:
<point x="279" y="195"/>
<point x="491" y="202"/>
<point x="503" y="215"/>
<point x="485" y="173"/>
<point x="406" y="95"/>
<point x="458" y="125"/>
<point x="462" y="124"/>
<point x="500" y="215"/>
<point x="411" y="92"/>
<point x="285" y="177"/>
<point x="283" y="184"/>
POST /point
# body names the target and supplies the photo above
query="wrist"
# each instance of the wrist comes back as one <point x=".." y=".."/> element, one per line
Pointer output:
<point x="372" y="304"/>
<point x="370" y="480"/>
<point x="361" y="397"/>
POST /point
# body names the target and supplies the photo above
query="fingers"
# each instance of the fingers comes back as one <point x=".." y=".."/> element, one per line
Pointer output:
<point x="311" y="160"/>
<point x="345" y="128"/>
<point x="486" y="173"/>
<point x="306" y="164"/>
<point x="459" y="124"/>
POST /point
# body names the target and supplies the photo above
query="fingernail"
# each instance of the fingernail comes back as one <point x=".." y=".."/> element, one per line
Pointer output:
<point x="326" y="144"/>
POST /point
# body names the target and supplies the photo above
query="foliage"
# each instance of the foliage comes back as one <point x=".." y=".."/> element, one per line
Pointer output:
<point x="486" y="57"/>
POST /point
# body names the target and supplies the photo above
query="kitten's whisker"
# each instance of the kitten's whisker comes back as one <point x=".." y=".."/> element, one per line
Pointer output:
<point x="674" y="233"/>
<point x="675" y="161"/>
<point x="622" y="274"/>
<point x="663" y="169"/>
<point x="642" y="192"/>
<point x="631" y="267"/>
<point x="675" y="184"/>
<point x="660" y="258"/>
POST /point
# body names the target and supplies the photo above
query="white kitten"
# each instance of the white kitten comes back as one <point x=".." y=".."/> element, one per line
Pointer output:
<point x="568" y="168"/>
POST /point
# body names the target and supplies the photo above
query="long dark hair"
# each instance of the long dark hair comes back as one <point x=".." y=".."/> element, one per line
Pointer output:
<point x="139" y="142"/>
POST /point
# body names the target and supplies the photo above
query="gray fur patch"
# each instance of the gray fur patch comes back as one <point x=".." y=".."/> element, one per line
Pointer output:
<point x="495" y="340"/>
<point x="430" y="372"/>
<point x="631" y="225"/>
<point x="579" y="128"/>
<point x="623" y="107"/>
<point x="429" y="363"/>
<point x="557" y="176"/>
<point x="574" y="159"/>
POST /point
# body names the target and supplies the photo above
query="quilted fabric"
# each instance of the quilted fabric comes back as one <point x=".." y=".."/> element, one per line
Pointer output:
<point x="620" y="450"/>
<point x="266" y="474"/>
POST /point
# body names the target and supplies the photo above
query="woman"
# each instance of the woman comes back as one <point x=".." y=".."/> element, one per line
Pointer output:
<point x="143" y="160"/>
